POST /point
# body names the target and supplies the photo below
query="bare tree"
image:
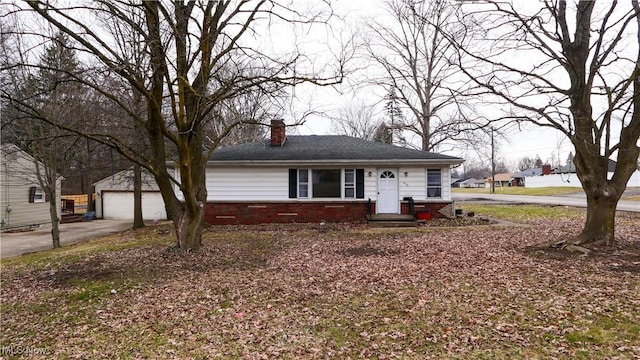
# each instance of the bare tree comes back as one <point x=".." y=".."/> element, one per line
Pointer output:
<point x="50" y="91"/>
<point x="414" y="53"/>
<point x="244" y="118"/>
<point x="356" y="119"/>
<point x="196" y="56"/>
<point x="529" y="163"/>
<point x="573" y="67"/>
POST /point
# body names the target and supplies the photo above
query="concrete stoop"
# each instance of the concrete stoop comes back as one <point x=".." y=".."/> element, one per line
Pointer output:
<point x="391" y="220"/>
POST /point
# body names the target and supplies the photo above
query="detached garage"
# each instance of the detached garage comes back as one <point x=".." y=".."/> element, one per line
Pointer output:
<point x="114" y="197"/>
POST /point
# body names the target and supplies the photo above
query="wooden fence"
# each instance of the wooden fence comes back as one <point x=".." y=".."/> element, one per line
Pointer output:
<point x="79" y="203"/>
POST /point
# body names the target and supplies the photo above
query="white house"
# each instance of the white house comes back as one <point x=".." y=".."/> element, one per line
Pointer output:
<point x="22" y="201"/>
<point x="332" y="178"/>
<point x="473" y="183"/>
<point x="114" y="197"/>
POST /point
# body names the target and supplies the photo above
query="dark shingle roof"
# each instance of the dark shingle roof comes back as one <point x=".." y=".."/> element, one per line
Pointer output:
<point x="323" y="148"/>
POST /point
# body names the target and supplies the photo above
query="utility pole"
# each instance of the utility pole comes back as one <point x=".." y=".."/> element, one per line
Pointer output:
<point x="493" y="164"/>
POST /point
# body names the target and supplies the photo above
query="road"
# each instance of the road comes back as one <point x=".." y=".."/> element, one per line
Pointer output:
<point x="578" y="201"/>
<point x="13" y="244"/>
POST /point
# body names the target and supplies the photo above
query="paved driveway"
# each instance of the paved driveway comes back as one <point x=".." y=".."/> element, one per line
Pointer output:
<point x="13" y="244"/>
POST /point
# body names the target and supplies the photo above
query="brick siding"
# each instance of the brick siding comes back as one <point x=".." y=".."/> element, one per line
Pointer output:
<point x="230" y="213"/>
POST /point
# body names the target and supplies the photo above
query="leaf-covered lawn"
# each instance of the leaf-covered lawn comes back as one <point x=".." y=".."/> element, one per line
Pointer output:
<point x="349" y="292"/>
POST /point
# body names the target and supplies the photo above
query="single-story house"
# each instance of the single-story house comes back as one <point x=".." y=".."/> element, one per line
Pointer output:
<point x="455" y="182"/>
<point x="114" y="197"/>
<point x="23" y="202"/>
<point x="333" y="178"/>
<point x="519" y="179"/>
<point x="502" y="180"/>
<point x="472" y="183"/>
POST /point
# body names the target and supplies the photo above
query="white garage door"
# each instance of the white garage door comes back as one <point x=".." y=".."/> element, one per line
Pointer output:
<point x="119" y="205"/>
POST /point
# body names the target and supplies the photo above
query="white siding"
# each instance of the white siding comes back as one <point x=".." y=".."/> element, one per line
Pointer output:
<point x="552" y="180"/>
<point x="414" y="184"/>
<point x="265" y="183"/>
<point x="561" y="180"/>
<point x="17" y="175"/>
<point x="123" y="181"/>
<point x="247" y="184"/>
<point x="272" y="184"/>
<point x="371" y="184"/>
<point x="446" y="183"/>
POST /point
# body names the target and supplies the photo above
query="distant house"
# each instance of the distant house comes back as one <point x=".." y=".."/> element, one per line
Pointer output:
<point x="519" y="179"/>
<point x="502" y="180"/>
<point x="114" y="197"/>
<point x="312" y="178"/>
<point x="23" y="202"/>
<point x="455" y="182"/>
<point x="473" y="183"/>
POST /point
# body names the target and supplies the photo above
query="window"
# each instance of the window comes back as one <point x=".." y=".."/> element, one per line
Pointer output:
<point x="303" y="183"/>
<point x="326" y="183"/>
<point x="434" y="183"/>
<point x="36" y="195"/>
<point x="387" y="175"/>
<point x="349" y="183"/>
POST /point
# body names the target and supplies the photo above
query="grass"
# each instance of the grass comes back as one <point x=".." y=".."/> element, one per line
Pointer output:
<point x="525" y="213"/>
<point x="520" y="190"/>
<point x="604" y="330"/>
<point x="631" y="198"/>
<point x="290" y="291"/>
<point x="71" y="254"/>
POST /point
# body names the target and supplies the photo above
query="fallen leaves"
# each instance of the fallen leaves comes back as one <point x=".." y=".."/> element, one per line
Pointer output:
<point x="293" y="291"/>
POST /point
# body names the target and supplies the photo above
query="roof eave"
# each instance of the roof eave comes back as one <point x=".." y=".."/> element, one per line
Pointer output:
<point x="389" y="162"/>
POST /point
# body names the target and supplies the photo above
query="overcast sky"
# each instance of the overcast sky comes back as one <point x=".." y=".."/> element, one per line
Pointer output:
<point x="530" y="141"/>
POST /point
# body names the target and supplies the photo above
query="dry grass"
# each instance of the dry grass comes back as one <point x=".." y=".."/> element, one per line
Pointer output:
<point x="295" y="292"/>
<point x="631" y="198"/>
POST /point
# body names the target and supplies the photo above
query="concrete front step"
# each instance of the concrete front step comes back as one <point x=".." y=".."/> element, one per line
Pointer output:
<point x="391" y="217"/>
<point x="391" y="224"/>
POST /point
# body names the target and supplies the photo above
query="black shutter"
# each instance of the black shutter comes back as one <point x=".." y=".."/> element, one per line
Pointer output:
<point x="32" y="194"/>
<point x="293" y="183"/>
<point x="359" y="183"/>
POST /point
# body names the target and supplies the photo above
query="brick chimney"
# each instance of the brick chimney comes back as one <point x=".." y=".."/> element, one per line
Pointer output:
<point x="278" y="135"/>
<point x="546" y="169"/>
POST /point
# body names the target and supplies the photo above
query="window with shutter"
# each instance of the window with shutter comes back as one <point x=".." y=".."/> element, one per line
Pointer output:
<point x="326" y="183"/>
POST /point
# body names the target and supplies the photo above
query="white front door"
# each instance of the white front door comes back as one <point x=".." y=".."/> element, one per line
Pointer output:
<point x="387" y="192"/>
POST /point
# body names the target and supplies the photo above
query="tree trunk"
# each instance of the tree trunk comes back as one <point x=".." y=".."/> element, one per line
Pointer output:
<point x="138" y="221"/>
<point x="89" y="186"/>
<point x="55" y="221"/>
<point x="189" y="220"/>
<point x="189" y="228"/>
<point x="187" y="213"/>
<point x="600" y="222"/>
